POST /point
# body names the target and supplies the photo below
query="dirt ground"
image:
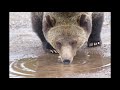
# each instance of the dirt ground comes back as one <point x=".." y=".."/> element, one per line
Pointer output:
<point x="25" y="44"/>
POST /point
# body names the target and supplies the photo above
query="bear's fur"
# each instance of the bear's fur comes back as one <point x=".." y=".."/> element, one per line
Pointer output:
<point x="66" y="32"/>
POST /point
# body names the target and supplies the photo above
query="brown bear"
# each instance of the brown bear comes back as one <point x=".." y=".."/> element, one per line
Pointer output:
<point x="66" y="32"/>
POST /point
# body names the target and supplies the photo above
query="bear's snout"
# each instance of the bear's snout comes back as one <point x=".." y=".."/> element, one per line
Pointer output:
<point x="66" y="61"/>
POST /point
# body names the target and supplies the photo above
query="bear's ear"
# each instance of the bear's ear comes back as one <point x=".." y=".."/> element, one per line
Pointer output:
<point x="50" y="21"/>
<point x="84" y="22"/>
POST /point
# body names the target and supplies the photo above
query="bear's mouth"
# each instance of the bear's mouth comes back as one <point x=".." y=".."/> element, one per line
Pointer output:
<point x="65" y="61"/>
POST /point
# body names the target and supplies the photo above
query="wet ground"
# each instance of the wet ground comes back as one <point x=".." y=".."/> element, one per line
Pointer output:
<point x="28" y="60"/>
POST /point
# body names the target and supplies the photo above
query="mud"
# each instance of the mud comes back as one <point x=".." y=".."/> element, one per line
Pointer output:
<point x="28" y="60"/>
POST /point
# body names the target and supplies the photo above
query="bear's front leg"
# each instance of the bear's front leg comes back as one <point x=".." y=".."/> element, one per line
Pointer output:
<point x="97" y="22"/>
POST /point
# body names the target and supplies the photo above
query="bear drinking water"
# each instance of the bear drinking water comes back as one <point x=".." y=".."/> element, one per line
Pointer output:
<point x="66" y="32"/>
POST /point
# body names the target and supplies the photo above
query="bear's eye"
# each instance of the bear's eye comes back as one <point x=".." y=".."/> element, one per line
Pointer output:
<point x="58" y="44"/>
<point x="50" y="21"/>
<point x="73" y="43"/>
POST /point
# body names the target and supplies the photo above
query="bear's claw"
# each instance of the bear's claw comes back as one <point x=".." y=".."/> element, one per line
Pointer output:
<point x="53" y="51"/>
<point x="94" y="44"/>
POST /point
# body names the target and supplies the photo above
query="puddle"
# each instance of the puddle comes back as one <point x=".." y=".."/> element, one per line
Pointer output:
<point x="48" y="66"/>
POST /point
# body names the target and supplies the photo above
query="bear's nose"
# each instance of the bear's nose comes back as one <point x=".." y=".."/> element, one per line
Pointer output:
<point x="66" y="61"/>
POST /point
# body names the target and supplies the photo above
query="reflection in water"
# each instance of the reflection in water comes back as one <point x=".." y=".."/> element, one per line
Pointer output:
<point x="89" y="60"/>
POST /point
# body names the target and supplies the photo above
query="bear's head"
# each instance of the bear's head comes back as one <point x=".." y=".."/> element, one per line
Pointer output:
<point x="67" y="34"/>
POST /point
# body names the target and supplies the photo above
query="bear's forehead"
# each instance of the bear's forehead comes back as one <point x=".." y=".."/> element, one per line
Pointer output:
<point x="64" y="18"/>
<point x="66" y="30"/>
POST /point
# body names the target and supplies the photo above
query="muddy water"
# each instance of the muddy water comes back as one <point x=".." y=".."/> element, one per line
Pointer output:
<point x="48" y="65"/>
